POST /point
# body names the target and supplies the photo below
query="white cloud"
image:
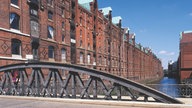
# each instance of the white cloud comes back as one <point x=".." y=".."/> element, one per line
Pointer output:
<point x="163" y="52"/>
<point x="143" y="30"/>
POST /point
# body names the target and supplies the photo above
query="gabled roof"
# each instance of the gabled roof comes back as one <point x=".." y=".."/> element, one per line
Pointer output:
<point x="85" y="4"/>
<point x="84" y="1"/>
<point x="106" y="10"/>
<point x="115" y="20"/>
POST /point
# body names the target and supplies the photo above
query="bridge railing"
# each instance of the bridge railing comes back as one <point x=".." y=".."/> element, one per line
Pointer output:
<point x="58" y="80"/>
<point x="174" y="90"/>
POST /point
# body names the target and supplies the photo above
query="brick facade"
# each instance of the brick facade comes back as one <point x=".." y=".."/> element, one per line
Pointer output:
<point x="81" y="35"/>
<point x="185" y="59"/>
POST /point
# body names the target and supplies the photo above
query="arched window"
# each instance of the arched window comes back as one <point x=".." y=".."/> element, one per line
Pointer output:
<point x="51" y="52"/>
<point x="16" y="47"/>
<point x="14" y="21"/>
<point x="50" y="32"/>
<point x="15" y="2"/>
<point x="81" y="58"/>
<point x="88" y="58"/>
<point x="63" y="55"/>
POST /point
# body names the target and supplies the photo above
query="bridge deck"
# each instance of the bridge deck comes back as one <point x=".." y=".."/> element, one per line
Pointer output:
<point x="34" y="102"/>
<point x="35" y="80"/>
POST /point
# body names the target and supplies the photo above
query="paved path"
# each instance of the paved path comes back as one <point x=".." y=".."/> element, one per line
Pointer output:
<point x="38" y="102"/>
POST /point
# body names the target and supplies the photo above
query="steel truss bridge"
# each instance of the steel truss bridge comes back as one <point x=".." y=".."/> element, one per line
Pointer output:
<point x="43" y="79"/>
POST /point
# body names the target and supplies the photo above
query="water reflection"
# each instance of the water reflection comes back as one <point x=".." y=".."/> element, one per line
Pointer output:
<point x="169" y="86"/>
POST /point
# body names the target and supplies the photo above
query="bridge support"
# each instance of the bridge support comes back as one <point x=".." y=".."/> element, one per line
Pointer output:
<point x="45" y="80"/>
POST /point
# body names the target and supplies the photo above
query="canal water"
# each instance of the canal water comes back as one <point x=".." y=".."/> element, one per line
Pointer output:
<point x="168" y="86"/>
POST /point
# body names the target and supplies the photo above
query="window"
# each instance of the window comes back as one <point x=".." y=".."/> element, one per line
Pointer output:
<point x="51" y="52"/>
<point x="62" y="12"/>
<point x="88" y="36"/>
<point x="105" y="61"/>
<point x="14" y="21"/>
<point x="15" y="2"/>
<point x="80" y="33"/>
<point x="34" y="11"/>
<point x="63" y="25"/>
<point x="63" y="55"/>
<point x="89" y="46"/>
<point x="63" y="38"/>
<point x="80" y="21"/>
<point x="50" y="2"/>
<point x="100" y="60"/>
<point x="34" y="29"/>
<point x="94" y="61"/>
<point x="81" y="57"/>
<point x="50" y="32"/>
<point x="88" y="58"/>
<point x="50" y="15"/>
<point x="16" y="47"/>
<point x="81" y="42"/>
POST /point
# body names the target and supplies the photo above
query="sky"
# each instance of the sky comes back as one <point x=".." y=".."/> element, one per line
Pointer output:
<point x="156" y="23"/>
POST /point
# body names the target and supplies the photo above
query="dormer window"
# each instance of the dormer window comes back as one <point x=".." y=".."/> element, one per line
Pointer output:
<point x="14" y="21"/>
<point x="15" y="2"/>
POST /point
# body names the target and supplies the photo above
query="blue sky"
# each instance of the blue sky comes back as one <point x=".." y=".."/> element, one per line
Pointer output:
<point x="156" y="23"/>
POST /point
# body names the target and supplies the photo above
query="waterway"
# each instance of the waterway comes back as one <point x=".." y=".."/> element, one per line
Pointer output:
<point x="169" y="86"/>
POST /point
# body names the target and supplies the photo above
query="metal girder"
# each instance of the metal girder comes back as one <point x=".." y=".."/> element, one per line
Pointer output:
<point x="45" y="79"/>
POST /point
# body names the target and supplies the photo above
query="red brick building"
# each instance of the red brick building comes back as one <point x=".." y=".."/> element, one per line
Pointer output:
<point x="72" y="31"/>
<point x="185" y="59"/>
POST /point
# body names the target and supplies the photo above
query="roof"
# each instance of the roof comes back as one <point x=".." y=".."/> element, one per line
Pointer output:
<point x="116" y="19"/>
<point x="132" y="36"/>
<point x="106" y="10"/>
<point x="186" y="36"/>
<point x="84" y="1"/>
<point x="187" y="32"/>
<point x="85" y="4"/>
